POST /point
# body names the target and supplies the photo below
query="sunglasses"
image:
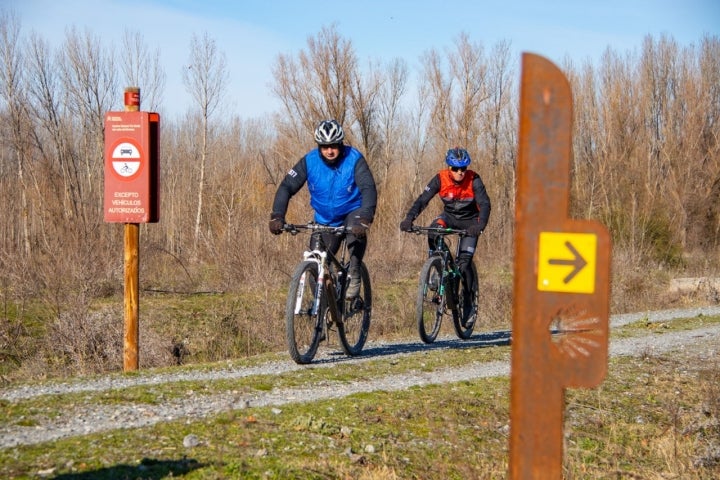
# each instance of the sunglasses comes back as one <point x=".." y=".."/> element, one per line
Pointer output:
<point x="458" y="169"/>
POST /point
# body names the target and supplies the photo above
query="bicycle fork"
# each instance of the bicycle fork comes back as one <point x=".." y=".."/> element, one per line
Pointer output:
<point x="323" y="287"/>
<point x="449" y="285"/>
<point x="318" y="257"/>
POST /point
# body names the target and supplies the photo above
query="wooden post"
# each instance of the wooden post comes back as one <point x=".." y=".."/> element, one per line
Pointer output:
<point x="132" y="270"/>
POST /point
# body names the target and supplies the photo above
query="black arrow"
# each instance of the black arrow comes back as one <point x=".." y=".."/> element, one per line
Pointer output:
<point x="578" y="262"/>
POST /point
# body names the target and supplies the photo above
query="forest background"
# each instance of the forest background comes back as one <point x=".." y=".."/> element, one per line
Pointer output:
<point x="646" y="163"/>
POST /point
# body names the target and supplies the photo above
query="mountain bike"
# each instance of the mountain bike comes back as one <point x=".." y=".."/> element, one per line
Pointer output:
<point x="442" y="288"/>
<point x="316" y="299"/>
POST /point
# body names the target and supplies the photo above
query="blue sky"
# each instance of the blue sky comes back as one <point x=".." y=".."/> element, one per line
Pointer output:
<point x="252" y="33"/>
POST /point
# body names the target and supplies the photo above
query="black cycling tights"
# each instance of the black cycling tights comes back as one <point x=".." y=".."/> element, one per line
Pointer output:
<point x="356" y="245"/>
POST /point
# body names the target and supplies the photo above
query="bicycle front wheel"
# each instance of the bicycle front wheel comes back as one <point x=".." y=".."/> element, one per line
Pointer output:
<point x="430" y="303"/>
<point x="303" y="323"/>
<point x="355" y="325"/>
<point x="466" y="314"/>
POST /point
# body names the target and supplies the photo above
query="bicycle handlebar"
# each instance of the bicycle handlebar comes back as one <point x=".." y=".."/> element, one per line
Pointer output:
<point x="439" y="230"/>
<point x="294" y="229"/>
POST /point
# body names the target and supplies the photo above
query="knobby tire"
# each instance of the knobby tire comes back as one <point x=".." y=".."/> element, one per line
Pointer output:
<point x="355" y="325"/>
<point x="460" y="316"/>
<point x="303" y="329"/>
<point x="430" y="304"/>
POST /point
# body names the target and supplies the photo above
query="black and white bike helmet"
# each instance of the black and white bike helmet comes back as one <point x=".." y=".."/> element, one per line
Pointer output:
<point x="329" y="132"/>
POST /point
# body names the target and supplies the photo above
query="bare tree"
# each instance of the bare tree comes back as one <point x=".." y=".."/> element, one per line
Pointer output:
<point x="54" y="131"/>
<point x="14" y="96"/>
<point x="659" y="87"/>
<point x="706" y="129"/>
<point x="499" y="85"/>
<point x="469" y="66"/>
<point x="585" y="136"/>
<point x="364" y="98"/>
<point x="141" y="67"/>
<point x="437" y="87"/>
<point x="692" y="149"/>
<point x="90" y="87"/>
<point x="318" y="84"/>
<point x="205" y="78"/>
<point x="496" y="145"/>
<point x="457" y="87"/>
<point x="389" y="111"/>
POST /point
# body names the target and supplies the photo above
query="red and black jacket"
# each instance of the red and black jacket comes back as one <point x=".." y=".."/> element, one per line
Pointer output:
<point x="462" y="200"/>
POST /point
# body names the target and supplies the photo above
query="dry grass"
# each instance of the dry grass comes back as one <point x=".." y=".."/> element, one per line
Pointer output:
<point x="653" y="418"/>
<point x="82" y="333"/>
<point x="650" y="419"/>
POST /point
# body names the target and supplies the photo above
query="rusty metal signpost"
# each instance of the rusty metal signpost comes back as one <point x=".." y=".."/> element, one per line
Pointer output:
<point x="561" y="279"/>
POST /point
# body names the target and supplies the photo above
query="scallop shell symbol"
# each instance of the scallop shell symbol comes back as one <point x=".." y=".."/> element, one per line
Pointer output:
<point x="575" y="334"/>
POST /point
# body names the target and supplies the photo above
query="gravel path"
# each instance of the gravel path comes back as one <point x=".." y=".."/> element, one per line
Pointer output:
<point x="89" y="418"/>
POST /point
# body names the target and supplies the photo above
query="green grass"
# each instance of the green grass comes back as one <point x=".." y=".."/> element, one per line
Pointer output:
<point x="643" y="326"/>
<point x="343" y="372"/>
<point x="653" y="417"/>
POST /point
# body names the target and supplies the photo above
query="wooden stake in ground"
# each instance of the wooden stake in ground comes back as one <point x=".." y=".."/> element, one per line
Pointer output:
<point x="131" y="359"/>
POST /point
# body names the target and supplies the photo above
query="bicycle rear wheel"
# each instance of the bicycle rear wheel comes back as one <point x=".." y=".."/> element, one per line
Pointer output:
<point x="430" y="303"/>
<point x="303" y="325"/>
<point x="355" y="325"/>
<point x="464" y="316"/>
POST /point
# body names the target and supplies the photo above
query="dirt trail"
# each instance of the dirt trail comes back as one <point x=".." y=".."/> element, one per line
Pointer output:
<point x="84" y="419"/>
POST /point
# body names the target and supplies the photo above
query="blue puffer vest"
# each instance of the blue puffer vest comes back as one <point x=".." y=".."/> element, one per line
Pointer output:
<point x="333" y="193"/>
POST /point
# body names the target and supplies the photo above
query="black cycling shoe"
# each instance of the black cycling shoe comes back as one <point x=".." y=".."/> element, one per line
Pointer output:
<point x="469" y="315"/>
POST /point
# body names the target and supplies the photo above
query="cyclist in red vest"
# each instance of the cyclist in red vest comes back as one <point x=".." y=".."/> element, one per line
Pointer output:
<point x="466" y="206"/>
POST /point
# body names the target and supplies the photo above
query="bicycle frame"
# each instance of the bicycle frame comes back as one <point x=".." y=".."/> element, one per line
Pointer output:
<point x="441" y="249"/>
<point x="325" y="259"/>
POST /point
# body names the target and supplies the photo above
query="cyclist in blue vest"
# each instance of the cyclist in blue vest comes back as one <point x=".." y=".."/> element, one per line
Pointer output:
<point x="342" y="192"/>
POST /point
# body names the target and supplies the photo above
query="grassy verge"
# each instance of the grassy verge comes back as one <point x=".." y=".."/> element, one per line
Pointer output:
<point x="653" y="417"/>
<point x="33" y="410"/>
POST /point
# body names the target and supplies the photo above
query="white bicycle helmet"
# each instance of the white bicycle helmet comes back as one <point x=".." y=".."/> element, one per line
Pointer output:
<point x="329" y="132"/>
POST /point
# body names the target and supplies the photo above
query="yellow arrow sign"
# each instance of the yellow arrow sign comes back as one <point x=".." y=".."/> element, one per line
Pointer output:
<point x="566" y="262"/>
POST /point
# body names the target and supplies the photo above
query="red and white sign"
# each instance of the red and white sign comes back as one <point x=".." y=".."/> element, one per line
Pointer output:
<point x="131" y="167"/>
<point x="126" y="159"/>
